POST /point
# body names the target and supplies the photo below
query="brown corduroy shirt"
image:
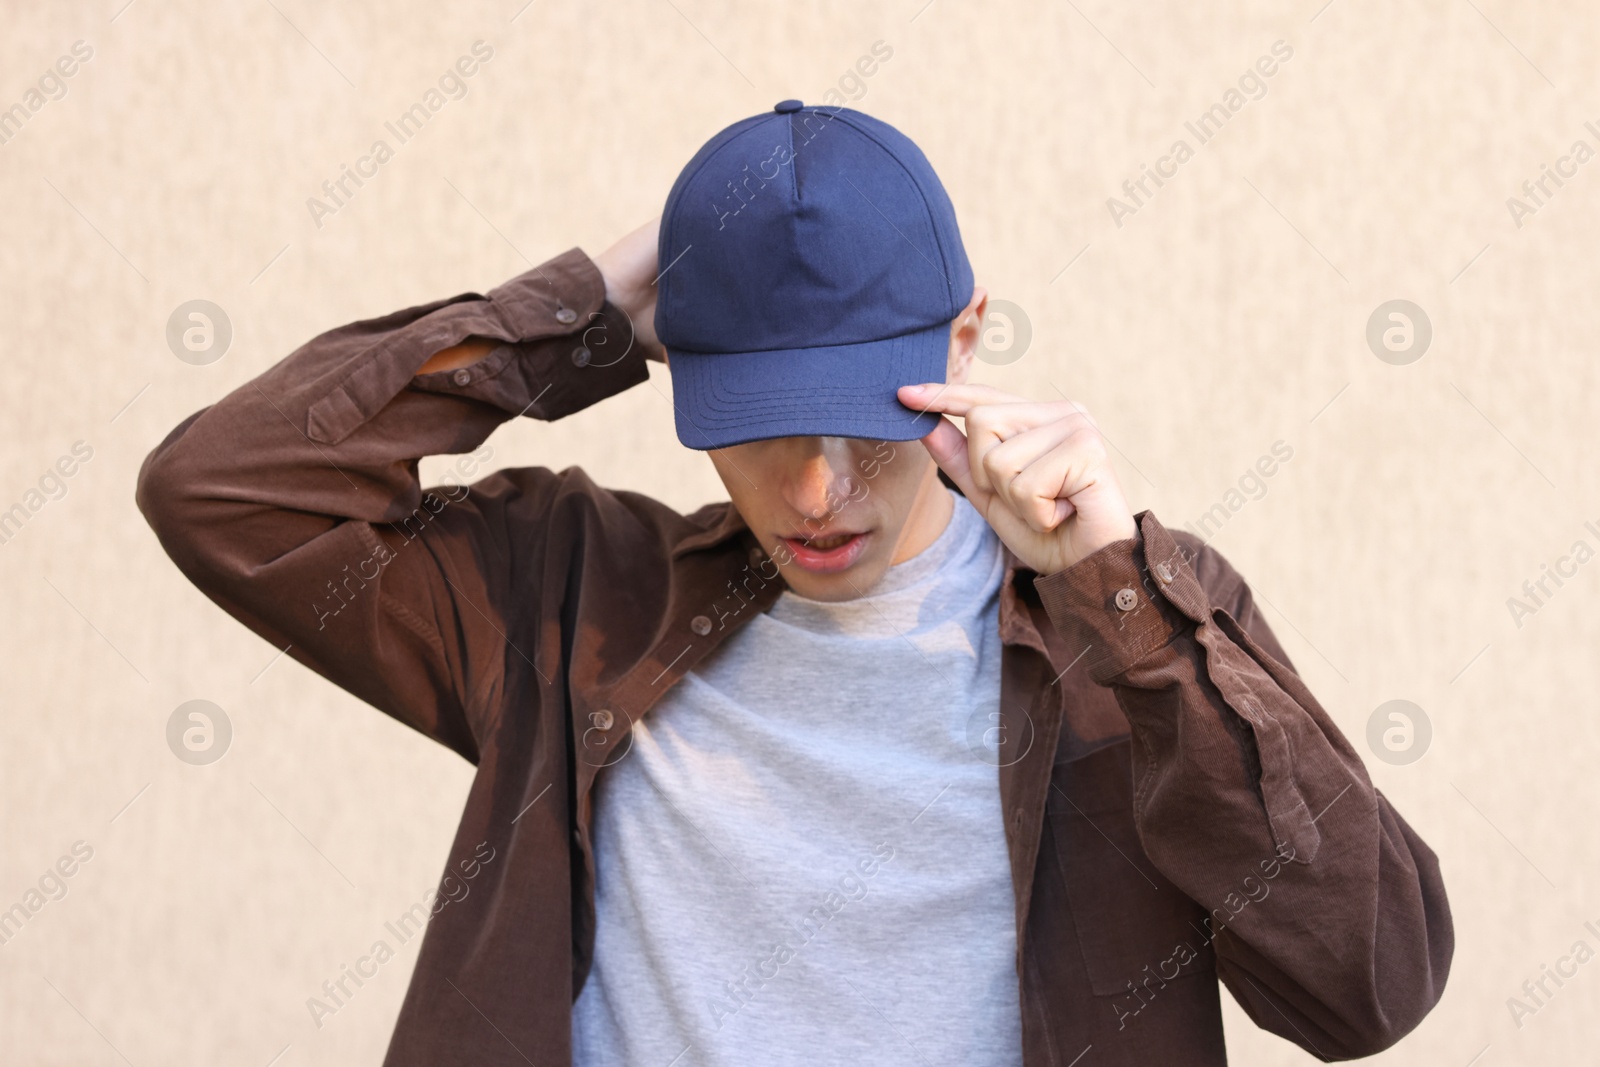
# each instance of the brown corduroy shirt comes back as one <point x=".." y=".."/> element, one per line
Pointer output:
<point x="1179" y="808"/>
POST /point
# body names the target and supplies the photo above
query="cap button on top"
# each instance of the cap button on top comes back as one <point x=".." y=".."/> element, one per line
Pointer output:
<point x="783" y="107"/>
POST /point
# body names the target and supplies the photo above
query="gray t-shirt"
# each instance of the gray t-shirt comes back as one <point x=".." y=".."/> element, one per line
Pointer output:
<point x="802" y="859"/>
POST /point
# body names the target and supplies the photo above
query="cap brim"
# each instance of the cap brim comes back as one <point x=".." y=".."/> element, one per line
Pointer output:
<point x="725" y="398"/>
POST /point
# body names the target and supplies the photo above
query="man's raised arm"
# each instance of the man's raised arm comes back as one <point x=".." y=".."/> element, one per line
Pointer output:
<point x="294" y="502"/>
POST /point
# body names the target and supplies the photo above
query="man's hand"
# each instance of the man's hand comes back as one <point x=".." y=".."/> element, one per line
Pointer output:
<point x="629" y="268"/>
<point x="1037" y="472"/>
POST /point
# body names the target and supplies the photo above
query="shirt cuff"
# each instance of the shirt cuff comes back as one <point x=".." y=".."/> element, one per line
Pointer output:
<point x="544" y="318"/>
<point x="1125" y="600"/>
<point x="570" y="347"/>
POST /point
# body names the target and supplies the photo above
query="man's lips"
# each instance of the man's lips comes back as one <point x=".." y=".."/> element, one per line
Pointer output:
<point x="825" y="554"/>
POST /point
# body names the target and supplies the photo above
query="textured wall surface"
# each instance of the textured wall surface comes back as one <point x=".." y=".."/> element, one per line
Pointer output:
<point x="1203" y="321"/>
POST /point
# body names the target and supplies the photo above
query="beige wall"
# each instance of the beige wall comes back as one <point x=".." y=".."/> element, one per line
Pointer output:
<point x="1227" y="313"/>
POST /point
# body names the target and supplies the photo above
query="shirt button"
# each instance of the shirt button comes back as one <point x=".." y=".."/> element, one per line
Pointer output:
<point x="756" y="556"/>
<point x="1164" y="571"/>
<point x="462" y="376"/>
<point x="603" y="719"/>
<point x="580" y="357"/>
<point x="566" y="315"/>
<point x="700" y="625"/>
<point x="1126" y="599"/>
<point x="576" y="840"/>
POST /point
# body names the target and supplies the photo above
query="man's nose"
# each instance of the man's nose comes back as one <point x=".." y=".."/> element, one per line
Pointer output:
<point x="825" y="479"/>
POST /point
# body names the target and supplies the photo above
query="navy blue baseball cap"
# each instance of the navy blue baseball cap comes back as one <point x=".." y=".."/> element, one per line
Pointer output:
<point x="810" y="266"/>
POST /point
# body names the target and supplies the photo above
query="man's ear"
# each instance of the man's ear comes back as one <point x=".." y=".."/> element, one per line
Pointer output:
<point x="966" y="333"/>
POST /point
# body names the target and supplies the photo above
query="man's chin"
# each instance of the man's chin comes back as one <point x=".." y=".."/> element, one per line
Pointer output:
<point x="850" y="583"/>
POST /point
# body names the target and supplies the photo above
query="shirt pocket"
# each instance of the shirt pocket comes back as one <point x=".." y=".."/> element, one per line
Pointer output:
<point x="1135" y="929"/>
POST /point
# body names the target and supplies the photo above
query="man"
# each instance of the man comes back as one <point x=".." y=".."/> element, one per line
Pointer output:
<point x="921" y="749"/>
